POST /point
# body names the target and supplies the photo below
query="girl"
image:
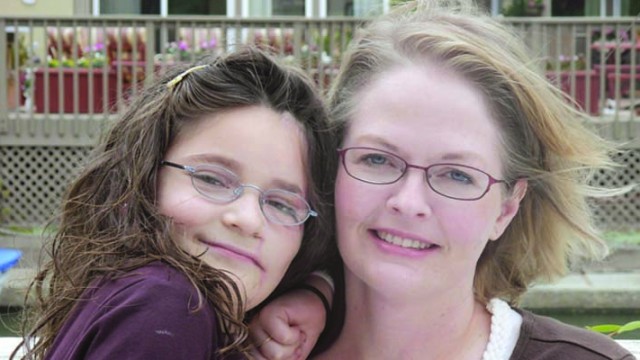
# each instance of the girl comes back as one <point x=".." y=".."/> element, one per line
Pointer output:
<point x="200" y="201"/>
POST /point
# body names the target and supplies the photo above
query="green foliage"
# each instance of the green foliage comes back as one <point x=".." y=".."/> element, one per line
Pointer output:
<point x="613" y="329"/>
<point x="524" y="8"/>
<point x="22" y="53"/>
<point x="4" y="193"/>
<point x="398" y="2"/>
<point x="31" y="231"/>
<point x="614" y="238"/>
<point x="564" y="63"/>
<point x="90" y="60"/>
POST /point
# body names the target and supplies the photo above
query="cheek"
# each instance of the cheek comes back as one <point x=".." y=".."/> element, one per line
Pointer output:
<point x="184" y="209"/>
<point x="285" y="247"/>
<point x="357" y="203"/>
<point x="478" y="219"/>
<point x="350" y="198"/>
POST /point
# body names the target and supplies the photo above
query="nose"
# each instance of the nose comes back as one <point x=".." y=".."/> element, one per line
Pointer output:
<point x="410" y="197"/>
<point x="244" y="214"/>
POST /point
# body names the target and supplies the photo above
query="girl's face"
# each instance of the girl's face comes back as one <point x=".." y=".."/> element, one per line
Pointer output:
<point x="263" y="148"/>
<point x="404" y="239"/>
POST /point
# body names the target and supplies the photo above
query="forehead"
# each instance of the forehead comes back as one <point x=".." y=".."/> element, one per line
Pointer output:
<point x="255" y="142"/>
<point x="427" y="110"/>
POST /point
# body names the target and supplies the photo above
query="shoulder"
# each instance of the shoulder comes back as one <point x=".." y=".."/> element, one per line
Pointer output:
<point x="542" y="337"/>
<point x="155" y="285"/>
<point x="154" y="277"/>
<point x="152" y="312"/>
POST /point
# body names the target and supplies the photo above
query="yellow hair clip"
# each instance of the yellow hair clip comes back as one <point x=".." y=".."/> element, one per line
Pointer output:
<point x="179" y="78"/>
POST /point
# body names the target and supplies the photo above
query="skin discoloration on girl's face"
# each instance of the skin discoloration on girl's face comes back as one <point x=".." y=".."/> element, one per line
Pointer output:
<point x="426" y="115"/>
<point x="263" y="148"/>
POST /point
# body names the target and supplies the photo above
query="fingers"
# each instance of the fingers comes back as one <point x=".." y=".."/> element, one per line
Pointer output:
<point x="266" y="340"/>
<point x="268" y="348"/>
<point x="304" y="349"/>
<point x="282" y="331"/>
<point x="273" y="350"/>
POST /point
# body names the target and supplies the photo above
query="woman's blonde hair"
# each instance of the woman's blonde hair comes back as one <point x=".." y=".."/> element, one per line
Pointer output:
<point x="545" y="140"/>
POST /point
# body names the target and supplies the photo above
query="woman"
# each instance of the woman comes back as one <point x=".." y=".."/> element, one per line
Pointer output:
<point x="463" y="181"/>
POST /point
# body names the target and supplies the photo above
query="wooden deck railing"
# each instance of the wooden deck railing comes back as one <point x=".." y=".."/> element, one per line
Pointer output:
<point x="89" y="65"/>
<point x="62" y="77"/>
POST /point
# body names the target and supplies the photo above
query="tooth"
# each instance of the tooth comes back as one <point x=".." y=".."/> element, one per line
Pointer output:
<point x="405" y="243"/>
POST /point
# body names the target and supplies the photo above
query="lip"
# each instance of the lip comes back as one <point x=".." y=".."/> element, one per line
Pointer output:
<point x="234" y="252"/>
<point x="399" y="250"/>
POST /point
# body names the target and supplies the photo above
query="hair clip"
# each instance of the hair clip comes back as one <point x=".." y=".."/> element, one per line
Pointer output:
<point x="179" y="78"/>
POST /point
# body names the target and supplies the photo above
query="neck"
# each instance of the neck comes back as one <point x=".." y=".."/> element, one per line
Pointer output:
<point x="388" y="325"/>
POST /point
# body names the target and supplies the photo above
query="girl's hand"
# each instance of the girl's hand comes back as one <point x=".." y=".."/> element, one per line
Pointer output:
<point x="289" y="326"/>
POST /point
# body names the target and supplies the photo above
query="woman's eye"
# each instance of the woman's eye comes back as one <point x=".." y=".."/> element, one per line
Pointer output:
<point x="460" y="176"/>
<point x="375" y="159"/>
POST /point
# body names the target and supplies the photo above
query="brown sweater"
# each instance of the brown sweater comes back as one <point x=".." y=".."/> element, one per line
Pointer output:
<point x="546" y="338"/>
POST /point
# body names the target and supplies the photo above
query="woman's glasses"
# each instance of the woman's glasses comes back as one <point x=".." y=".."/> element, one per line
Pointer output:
<point x="450" y="180"/>
<point x="222" y="186"/>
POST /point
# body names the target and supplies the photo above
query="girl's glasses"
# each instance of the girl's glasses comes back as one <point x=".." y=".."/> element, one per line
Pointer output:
<point x="450" y="180"/>
<point x="222" y="186"/>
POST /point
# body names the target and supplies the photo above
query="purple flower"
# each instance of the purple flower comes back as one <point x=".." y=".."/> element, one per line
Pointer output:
<point x="183" y="46"/>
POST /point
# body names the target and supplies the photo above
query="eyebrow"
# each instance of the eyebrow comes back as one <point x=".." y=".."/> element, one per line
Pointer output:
<point x="235" y="166"/>
<point x="285" y="185"/>
<point x="463" y="155"/>
<point x="216" y="159"/>
<point x="376" y="140"/>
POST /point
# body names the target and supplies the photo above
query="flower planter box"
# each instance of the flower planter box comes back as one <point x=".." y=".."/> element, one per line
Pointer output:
<point x="63" y="80"/>
<point x="582" y="93"/>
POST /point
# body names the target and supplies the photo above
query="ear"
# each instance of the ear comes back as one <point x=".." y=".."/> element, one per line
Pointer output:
<point x="510" y="207"/>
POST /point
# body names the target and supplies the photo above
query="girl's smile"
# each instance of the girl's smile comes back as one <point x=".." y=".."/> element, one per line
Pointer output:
<point x="233" y="252"/>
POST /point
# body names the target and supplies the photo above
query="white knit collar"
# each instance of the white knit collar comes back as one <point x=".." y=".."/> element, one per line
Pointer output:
<point x="505" y="330"/>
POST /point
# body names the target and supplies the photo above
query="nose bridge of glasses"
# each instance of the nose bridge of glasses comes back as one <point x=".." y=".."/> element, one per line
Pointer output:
<point x="238" y="191"/>
<point x="422" y="169"/>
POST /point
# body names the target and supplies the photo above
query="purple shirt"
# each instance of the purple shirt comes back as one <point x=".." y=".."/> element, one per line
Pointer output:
<point x="147" y="314"/>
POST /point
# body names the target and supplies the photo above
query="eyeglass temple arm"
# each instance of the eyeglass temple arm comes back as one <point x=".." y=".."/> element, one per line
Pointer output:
<point x="169" y="163"/>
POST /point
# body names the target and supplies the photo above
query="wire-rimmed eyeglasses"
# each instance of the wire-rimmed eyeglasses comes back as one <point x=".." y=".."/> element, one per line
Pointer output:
<point x="222" y="186"/>
<point x="455" y="181"/>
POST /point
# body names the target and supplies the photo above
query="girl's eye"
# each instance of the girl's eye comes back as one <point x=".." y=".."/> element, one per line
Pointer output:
<point x="211" y="179"/>
<point x="283" y="208"/>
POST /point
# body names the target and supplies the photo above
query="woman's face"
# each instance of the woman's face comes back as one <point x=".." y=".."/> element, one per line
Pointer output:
<point x="404" y="238"/>
<point x="262" y="148"/>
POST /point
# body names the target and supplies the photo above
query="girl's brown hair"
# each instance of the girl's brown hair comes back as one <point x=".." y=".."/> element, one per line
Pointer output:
<point x="110" y="225"/>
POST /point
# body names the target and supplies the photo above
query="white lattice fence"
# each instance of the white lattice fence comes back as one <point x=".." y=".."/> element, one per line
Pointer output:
<point x="33" y="179"/>
<point x="621" y="212"/>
